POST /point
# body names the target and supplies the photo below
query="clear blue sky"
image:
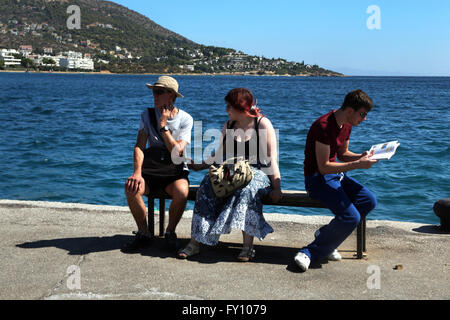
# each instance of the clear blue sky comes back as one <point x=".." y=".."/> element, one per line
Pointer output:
<point x="414" y="38"/>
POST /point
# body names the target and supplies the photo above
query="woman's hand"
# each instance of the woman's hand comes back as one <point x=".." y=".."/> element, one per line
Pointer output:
<point x="275" y="195"/>
<point x="196" y="166"/>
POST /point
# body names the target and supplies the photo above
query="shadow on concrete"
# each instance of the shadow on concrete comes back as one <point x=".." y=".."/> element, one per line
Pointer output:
<point x="265" y="254"/>
<point x="223" y="252"/>
<point x="228" y="252"/>
<point x="431" y="229"/>
<point x="80" y="246"/>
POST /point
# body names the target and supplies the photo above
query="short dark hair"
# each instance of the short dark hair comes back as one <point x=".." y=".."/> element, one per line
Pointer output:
<point x="357" y="99"/>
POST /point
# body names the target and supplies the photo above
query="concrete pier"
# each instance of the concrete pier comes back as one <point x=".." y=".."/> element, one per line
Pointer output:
<point x="72" y="251"/>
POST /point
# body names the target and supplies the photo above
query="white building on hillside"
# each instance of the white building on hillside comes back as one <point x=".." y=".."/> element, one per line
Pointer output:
<point x="76" y="63"/>
<point x="72" y="54"/>
<point x="40" y="60"/>
<point x="7" y="56"/>
<point x="26" y="50"/>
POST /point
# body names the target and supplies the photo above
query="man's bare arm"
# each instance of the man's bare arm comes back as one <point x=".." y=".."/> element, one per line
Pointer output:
<point x="345" y="155"/>
<point x="135" y="181"/>
<point x="327" y="167"/>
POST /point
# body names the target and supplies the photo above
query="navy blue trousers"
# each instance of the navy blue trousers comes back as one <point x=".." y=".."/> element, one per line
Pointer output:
<point x="348" y="200"/>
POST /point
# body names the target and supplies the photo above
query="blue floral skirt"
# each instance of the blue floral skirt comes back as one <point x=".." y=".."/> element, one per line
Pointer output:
<point x="214" y="216"/>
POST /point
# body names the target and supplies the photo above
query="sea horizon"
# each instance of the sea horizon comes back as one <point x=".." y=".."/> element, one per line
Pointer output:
<point x="238" y="74"/>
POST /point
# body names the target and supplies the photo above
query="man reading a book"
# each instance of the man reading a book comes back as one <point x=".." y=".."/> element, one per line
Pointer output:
<point x="327" y="180"/>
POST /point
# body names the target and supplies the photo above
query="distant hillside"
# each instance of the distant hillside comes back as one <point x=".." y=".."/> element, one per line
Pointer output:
<point x="122" y="40"/>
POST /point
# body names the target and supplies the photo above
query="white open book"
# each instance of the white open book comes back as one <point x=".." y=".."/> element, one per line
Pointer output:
<point x="384" y="151"/>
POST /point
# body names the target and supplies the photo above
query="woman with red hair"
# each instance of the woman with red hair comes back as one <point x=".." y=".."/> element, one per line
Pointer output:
<point x="245" y="134"/>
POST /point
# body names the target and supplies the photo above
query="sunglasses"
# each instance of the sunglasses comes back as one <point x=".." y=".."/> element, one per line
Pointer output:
<point x="363" y="114"/>
<point x="159" y="92"/>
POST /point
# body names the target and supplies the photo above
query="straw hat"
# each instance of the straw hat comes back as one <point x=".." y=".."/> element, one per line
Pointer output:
<point x="167" y="83"/>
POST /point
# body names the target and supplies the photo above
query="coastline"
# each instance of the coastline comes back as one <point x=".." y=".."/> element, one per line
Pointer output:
<point x="249" y="74"/>
<point x="222" y="74"/>
<point x="55" y="72"/>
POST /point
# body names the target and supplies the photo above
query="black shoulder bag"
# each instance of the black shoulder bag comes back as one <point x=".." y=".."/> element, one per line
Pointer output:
<point x="157" y="158"/>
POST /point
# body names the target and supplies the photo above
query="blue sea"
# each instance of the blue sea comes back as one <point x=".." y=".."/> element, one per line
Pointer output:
<point x="70" y="137"/>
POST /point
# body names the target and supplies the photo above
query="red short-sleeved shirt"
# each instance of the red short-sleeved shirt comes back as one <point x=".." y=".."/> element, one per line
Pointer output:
<point x="325" y="130"/>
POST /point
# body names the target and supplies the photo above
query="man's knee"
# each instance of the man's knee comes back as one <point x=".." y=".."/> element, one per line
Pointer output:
<point x="369" y="204"/>
<point x="351" y="218"/>
<point x="180" y="194"/>
<point x="355" y="220"/>
<point x="179" y="191"/>
<point x="130" y="194"/>
<point x="372" y="202"/>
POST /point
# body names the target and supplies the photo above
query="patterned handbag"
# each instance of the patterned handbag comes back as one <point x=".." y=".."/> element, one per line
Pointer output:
<point x="231" y="175"/>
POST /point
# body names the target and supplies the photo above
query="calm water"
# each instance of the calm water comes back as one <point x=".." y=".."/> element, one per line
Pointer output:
<point x="70" y="138"/>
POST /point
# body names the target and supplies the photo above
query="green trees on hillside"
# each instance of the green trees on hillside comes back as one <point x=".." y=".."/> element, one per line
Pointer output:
<point x="106" y="26"/>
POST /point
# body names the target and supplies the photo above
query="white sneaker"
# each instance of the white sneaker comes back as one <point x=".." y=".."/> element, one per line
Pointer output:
<point x="302" y="260"/>
<point x="335" y="255"/>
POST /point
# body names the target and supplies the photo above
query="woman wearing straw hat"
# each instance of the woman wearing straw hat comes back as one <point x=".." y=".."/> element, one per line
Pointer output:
<point x="242" y="210"/>
<point x="170" y="130"/>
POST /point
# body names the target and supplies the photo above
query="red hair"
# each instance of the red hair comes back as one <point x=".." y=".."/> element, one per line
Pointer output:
<point x="242" y="100"/>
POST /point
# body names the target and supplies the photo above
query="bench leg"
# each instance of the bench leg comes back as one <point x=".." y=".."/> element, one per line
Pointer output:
<point x="162" y="216"/>
<point x="151" y="216"/>
<point x="361" y="239"/>
<point x="364" y="235"/>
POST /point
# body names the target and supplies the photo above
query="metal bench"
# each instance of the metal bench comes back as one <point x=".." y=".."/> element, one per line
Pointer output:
<point x="291" y="198"/>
